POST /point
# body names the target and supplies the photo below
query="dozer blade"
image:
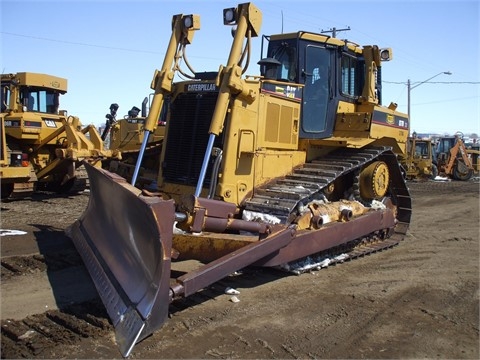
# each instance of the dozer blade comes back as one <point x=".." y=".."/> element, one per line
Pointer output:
<point x="125" y="241"/>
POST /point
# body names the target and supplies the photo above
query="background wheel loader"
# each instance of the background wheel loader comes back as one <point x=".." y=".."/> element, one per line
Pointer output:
<point x="42" y="147"/>
<point x="292" y="169"/>
<point x="452" y="158"/>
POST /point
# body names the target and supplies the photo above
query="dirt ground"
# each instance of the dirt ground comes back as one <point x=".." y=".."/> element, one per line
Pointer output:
<point x="417" y="300"/>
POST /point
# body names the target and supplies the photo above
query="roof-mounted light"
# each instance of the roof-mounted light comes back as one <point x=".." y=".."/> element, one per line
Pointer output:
<point x="386" y="54"/>
<point x="187" y="21"/>
<point x="229" y="16"/>
<point x="191" y="22"/>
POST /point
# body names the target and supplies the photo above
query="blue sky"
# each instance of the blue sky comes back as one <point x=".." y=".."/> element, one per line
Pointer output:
<point x="108" y="50"/>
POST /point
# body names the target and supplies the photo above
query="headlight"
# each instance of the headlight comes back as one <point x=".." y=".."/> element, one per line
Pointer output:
<point x="386" y="54"/>
<point x="229" y="16"/>
<point x="188" y="21"/>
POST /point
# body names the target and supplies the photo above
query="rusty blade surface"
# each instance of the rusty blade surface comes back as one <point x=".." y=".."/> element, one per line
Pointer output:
<point x="125" y="242"/>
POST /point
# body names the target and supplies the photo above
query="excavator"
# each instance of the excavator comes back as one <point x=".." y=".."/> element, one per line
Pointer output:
<point x="291" y="169"/>
<point x="42" y="147"/>
<point x="453" y="159"/>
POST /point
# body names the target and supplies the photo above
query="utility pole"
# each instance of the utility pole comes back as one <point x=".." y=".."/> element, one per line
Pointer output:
<point x="410" y="88"/>
<point x="334" y="31"/>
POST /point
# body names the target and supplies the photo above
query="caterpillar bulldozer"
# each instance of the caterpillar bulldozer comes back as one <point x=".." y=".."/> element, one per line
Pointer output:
<point x="419" y="160"/>
<point x="452" y="158"/>
<point x="290" y="169"/>
<point x="42" y="147"/>
<point x="126" y="136"/>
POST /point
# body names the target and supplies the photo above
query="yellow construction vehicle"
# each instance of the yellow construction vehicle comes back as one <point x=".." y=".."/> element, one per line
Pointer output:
<point x="294" y="168"/>
<point x="126" y="136"/>
<point x="473" y="153"/>
<point x="42" y="147"/>
<point x="419" y="160"/>
<point x="452" y="158"/>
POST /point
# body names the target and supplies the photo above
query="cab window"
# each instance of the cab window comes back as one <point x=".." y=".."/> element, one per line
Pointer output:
<point x="45" y="101"/>
<point x="286" y="54"/>
<point x="350" y="75"/>
<point x="5" y="97"/>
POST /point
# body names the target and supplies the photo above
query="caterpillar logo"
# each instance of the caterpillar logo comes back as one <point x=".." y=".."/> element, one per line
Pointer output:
<point x="202" y="87"/>
<point x="390" y="119"/>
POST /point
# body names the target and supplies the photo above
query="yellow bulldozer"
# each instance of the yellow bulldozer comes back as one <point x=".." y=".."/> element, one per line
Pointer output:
<point x="126" y="136"/>
<point x="42" y="147"/>
<point x="292" y="169"/>
<point x="473" y="153"/>
<point x="419" y="162"/>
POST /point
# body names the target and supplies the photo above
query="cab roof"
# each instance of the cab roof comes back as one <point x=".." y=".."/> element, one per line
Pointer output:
<point x="37" y="80"/>
<point x="320" y="38"/>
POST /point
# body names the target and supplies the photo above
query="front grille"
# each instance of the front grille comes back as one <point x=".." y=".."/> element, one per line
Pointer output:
<point x="190" y="116"/>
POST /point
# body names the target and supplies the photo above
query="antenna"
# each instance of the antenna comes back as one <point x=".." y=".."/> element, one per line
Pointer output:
<point x="282" y="21"/>
<point x="334" y="31"/>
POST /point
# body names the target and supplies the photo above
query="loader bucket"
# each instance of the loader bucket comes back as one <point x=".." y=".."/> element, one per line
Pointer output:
<point x="125" y="241"/>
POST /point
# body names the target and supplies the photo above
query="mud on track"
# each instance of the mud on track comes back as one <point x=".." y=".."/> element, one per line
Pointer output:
<point x="417" y="300"/>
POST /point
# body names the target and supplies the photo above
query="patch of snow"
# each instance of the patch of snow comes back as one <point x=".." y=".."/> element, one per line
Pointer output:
<point x="7" y="232"/>
<point x="260" y="217"/>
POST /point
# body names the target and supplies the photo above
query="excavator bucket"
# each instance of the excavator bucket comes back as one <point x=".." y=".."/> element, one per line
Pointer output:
<point x="125" y="240"/>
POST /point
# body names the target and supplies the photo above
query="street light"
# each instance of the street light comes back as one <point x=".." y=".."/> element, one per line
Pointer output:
<point x="410" y="88"/>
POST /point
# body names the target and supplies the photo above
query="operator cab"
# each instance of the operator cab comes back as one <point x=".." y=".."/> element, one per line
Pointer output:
<point x="443" y="146"/>
<point x="330" y="69"/>
<point x="32" y="92"/>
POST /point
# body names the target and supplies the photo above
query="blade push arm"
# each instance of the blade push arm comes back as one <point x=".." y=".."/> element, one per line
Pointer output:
<point x="248" y="19"/>
<point x="183" y="27"/>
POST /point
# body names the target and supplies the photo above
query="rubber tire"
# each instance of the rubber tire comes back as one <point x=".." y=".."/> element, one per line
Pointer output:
<point x="461" y="176"/>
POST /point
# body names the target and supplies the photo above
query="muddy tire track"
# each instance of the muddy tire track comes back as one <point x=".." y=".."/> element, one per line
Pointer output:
<point x="39" y="334"/>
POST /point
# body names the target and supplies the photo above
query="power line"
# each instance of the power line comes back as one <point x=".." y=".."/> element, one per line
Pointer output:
<point x="433" y="82"/>
<point x="94" y="45"/>
<point x="447" y="100"/>
<point x="80" y="43"/>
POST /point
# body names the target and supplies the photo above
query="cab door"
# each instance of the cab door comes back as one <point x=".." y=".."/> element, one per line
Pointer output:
<point x="316" y="120"/>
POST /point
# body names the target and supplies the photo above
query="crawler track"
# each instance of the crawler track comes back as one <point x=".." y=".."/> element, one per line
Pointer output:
<point x="74" y="186"/>
<point x="340" y="169"/>
<point x="282" y="197"/>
